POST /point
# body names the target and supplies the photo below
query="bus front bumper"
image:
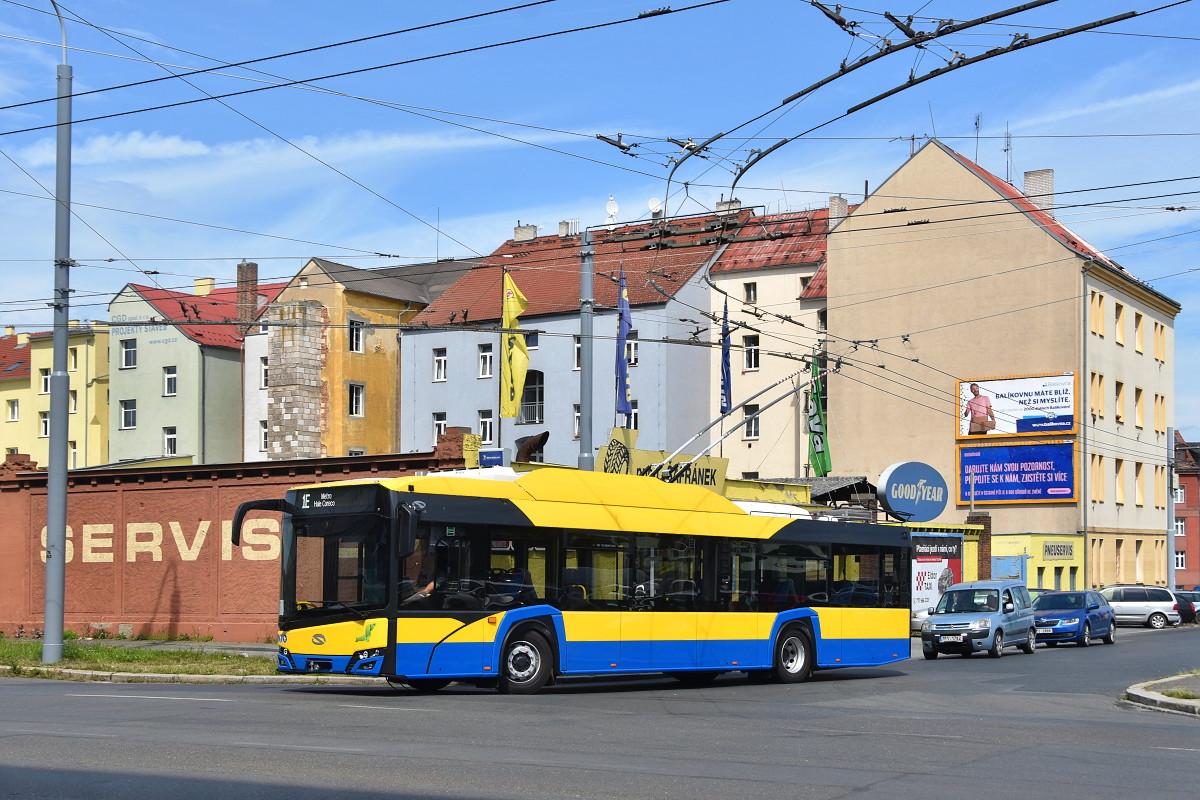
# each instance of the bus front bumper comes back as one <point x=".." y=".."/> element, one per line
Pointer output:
<point x="363" y="662"/>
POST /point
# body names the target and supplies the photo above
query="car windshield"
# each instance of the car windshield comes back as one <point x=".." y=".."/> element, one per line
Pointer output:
<point x="959" y="601"/>
<point x="1064" y="600"/>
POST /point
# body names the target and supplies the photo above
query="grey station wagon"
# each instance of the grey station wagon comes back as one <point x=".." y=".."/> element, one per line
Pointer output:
<point x="1153" y="606"/>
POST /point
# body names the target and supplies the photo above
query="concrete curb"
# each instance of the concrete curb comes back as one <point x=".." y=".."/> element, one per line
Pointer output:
<point x="1141" y="694"/>
<point x="60" y="673"/>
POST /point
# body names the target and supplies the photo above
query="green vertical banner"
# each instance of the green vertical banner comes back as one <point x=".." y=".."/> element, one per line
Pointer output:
<point x="818" y="442"/>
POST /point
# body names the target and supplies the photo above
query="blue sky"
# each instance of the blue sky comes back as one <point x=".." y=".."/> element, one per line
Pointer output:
<point x="680" y="75"/>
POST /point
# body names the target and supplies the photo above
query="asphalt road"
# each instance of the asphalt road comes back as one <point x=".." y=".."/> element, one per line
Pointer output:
<point x="1034" y="726"/>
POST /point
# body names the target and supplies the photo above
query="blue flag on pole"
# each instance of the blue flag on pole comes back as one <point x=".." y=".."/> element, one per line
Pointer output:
<point x="624" y="323"/>
<point x="726" y="384"/>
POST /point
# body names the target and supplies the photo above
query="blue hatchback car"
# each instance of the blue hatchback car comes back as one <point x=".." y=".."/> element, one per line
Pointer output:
<point x="1076" y="617"/>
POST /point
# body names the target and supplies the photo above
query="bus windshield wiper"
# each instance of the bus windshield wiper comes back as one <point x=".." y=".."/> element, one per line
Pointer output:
<point x="333" y="604"/>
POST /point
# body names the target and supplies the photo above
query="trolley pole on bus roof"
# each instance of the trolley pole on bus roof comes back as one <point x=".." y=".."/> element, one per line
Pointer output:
<point x="56" y="482"/>
<point x="587" y="302"/>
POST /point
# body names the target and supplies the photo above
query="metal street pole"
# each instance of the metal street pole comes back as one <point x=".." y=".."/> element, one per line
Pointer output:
<point x="1171" y="508"/>
<point x="587" y="458"/>
<point x="56" y="508"/>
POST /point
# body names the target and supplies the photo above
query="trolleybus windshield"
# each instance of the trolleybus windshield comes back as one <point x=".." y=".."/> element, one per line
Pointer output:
<point x="335" y="564"/>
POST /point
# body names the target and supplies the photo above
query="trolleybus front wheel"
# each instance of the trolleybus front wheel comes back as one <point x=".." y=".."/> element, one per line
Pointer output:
<point x="526" y="663"/>
<point x="794" y="655"/>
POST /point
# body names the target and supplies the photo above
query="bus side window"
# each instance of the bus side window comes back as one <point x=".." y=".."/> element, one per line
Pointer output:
<point x="597" y="572"/>
<point x="856" y="573"/>
<point x="737" y="576"/>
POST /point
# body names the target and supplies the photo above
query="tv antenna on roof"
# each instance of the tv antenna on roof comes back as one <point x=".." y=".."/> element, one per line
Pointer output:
<point x="612" y="209"/>
<point x="655" y="206"/>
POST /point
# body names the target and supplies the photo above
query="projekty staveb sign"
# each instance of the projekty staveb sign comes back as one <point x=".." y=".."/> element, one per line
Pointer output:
<point x="913" y="491"/>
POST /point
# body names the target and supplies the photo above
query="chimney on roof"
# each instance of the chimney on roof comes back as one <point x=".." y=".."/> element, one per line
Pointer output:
<point x="10" y="330"/>
<point x="728" y="206"/>
<point x="73" y="323"/>
<point x="568" y="227"/>
<point x="22" y="339"/>
<point x="1039" y="188"/>
<point x="839" y="209"/>
<point x="524" y="233"/>
<point x="204" y="287"/>
<point x="247" y="291"/>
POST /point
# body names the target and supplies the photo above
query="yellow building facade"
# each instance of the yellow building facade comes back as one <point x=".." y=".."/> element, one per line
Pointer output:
<point x="1052" y="560"/>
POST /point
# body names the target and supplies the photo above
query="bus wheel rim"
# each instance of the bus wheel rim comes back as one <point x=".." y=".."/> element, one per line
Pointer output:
<point x="791" y="655"/>
<point x="523" y="662"/>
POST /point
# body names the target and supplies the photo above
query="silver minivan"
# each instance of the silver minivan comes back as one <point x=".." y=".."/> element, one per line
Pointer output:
<point x="1152" y="606"/>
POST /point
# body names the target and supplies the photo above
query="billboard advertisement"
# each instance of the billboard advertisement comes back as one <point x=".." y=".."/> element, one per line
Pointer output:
<point x="937" y="565"/>
<point x="1017" y="473"/>
<point x="1020" y="406"/>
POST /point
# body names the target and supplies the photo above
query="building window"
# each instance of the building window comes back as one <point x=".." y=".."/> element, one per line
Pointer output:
<point x="575" y="426"/>
<point x="1119" y="398"/>
<point x="751" y="429"/>
<point x="531" y="341"/>
<point x="1180" y="495"/>
<point x="750" y="292"/>
<point x="45" y="376"/>
<point x="43" y="424"/>
<point x="635" y="418"/>
<point x="1180" y="527"/>
<point x="1160" y="413"/>
<point x="263" y="328"/>
<point x="533" y="399"/>
<point x="485" y="361"/>
<point x="73" y="359"/>
<point x="12" y="451"/>
<point x="1160" y="487"/>
<point x="14" y="410"/>
<point x="73" y="452"/>
<point x="822" y="319"/>
<point x="356" y="330"/>
<point x="1181" y="560"/>
<point x="72" y="401"/>
<point x="439" y="426"/>
<point x="128" y="415"/>
<point x="804" y="281"/>
<point x="578" y="353"/>
<point x="1096" y="478"/>
<point x="169" y="442"/>
<point x="487" y="426"/>
<point x="128" y="353"/>
<point x="1139" y="339"/>
<point x="750" y="352"/>
<point x="1139" y="485"/>
<point x="749" y="476"/>
<point x="170" y="381"/>
<point x="355" y="404"/>
<point x="263" y="441"/>
<point x="1097" y="303"/>
<point x="356" y="451"/>
<point x="1160" y="342"/>
<point x="1119" y="323"/>
<point x="439" y="364"/>
<point x="1096" y="395"/>
<point x="1119" y="469"/>
<point x="1139" y="408"/>
<point x="264" y="373"/>
<point x="631" y="349"/>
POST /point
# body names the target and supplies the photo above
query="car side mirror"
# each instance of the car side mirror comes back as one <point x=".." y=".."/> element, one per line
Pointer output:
<point x="1093" y="606"/>
<point x="1009" y="608"/>
<point x="931" y="610"/>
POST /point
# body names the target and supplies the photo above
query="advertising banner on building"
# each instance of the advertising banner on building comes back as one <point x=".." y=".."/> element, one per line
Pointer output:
<point x="937" y="565"/>
<point x="1021" y="406"/>
<point x="1017" y="473"/>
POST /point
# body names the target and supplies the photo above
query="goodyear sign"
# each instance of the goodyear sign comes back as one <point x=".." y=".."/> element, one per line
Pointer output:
<point x="913" y="491"/>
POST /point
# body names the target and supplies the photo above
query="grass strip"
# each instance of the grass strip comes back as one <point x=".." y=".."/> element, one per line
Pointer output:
<point x="26" y="657"/>
<point x="1182" y="694"/>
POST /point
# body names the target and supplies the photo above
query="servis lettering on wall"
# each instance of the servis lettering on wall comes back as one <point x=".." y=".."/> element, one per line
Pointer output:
<point x="104" y="543"/>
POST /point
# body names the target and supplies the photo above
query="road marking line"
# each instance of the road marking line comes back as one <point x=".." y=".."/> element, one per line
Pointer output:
<point x="313" y="748"/>
<point x="155" y="697"/>
<point x="1184" y="749"/>
<point x="68" y="734"/>
<point x="391" y="708"/>
<point x="888" y="733"/>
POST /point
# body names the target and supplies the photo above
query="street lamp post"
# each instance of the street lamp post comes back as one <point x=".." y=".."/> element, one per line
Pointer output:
<point x="56" y="485"/>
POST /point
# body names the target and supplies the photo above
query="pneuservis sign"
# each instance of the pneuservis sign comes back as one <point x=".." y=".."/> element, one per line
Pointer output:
<point x="913" y="491"/>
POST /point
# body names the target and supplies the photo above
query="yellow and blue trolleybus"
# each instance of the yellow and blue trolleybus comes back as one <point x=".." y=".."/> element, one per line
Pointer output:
<point x="513" y="580"/>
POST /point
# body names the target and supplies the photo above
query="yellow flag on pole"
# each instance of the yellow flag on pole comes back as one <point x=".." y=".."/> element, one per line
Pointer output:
<point x="514" y="360"/>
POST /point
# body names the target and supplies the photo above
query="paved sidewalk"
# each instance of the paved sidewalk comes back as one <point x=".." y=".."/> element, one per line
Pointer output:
<point x="105" y="676"/>
<point x="249" y="648"/>
<point x="1150" y="694"/>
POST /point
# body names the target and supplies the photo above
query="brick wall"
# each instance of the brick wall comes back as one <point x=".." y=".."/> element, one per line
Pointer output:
<point x="297" y="398"/>
<point x="985" y="543"/>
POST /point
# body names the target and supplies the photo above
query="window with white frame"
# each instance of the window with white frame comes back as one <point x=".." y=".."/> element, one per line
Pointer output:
<point x="533" y="399"/>
<point x="750" y="429"/>
<point x="263" y="439"/>
<point x="170" y="441"/>
<point x="487" y="426"/>
<point x="439" y="364"/>
<point x="631" y="349"/>
<point x="45" y="376"/>
<point x="43" y="424"/>
<point x="575" y="424"/>
<point x="170" y="381"/>
<point x="73" y="359"/>
<point x="72" y="401"/>
<point x="356" y="451"/>
<point x="634" y="417"/>
<point x="12" y="451"/>
<point x="578" y="352"/>
<point x="128" y="414"/>
<point x="73" y="452"/>
<point x="1180" y="527"/>
<point x="531" y="341"/>
<point x="439" y="426"/>
<point x="357" y="335"/>
<point x="263" y="327"/>
<point x="1180" y="494"/>
<point x="354" y="401"/>
<point x="485" y="361"/>
<point x="750" y="352"/>
<point x="750" y="292"/>
<point x="128" y="353"/>
<point x="264" y="373"/>
<point x="1181" y="560"/>
<point x="14" y="410"/>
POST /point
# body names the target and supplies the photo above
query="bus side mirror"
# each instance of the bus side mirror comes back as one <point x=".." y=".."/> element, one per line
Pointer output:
<point x="406" y="529"/>
<point x="239" y="516"/>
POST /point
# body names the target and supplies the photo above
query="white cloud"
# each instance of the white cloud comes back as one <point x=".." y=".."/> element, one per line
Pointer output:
<point x="1123" y="103"/>
<point x="116" y="148"/>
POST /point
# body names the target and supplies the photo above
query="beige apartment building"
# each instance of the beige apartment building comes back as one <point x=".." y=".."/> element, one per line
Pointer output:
<point x="778" y="268"/>
<point x="947" y="276"/>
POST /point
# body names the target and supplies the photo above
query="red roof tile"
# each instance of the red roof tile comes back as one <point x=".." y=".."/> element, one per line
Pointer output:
<point x="14" y="359"/>
<point x="219" y="306"/>
<point x="547" y="269"/>
<point x="1048" y="223"/>
<point x="818" y="286"/>
<point x="803" y="236"/>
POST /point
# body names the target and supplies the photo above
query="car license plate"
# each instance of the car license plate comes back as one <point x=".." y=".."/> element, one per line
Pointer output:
<point x="952" y="638"/>
<point x="1045" y="630"/>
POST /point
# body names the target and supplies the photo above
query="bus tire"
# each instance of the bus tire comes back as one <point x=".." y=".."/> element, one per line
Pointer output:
<point x="526" y="663"/>
<point x="428" y="685"/>
<point x="794" y="655"/>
